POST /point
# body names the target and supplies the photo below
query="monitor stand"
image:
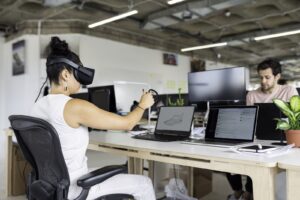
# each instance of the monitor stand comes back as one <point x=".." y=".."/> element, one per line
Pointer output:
<point x="206" y="114"/>
<point x="281" y="143"/>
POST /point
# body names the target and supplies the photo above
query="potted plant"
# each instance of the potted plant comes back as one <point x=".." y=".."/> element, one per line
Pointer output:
<point x="291" y="126"/>
<point x="178" y="102"/>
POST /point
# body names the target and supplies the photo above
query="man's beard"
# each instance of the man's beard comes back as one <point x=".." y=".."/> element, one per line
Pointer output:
<point x="267" y="89"/>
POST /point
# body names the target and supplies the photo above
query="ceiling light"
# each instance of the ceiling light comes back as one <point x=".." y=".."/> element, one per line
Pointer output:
<point x="174" y="1"/>
<point x="121" y="16"/>
<point x="204" y="46"/>
<point x="277" y="35"/>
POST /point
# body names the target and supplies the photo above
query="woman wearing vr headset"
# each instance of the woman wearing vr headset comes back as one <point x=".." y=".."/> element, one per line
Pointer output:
<point x="71" y="117"/>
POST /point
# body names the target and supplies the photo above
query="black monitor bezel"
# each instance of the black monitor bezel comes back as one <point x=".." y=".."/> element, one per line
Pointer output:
<point x="211" y="134"/>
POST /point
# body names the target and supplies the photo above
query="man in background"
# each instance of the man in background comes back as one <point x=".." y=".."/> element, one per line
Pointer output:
<point x="269" y="72"/>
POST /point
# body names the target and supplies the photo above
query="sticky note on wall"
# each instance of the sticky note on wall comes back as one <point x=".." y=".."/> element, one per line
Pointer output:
<point x="171" y="84"/>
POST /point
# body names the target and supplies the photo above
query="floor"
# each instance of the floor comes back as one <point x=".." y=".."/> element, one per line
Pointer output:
<point x="220" y="187"/>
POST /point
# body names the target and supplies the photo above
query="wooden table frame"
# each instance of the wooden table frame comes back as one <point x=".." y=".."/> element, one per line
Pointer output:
<point x="291" y="163"/>
<point x="261" y="171"/>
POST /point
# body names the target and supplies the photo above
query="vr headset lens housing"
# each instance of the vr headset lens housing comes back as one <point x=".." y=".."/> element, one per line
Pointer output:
<point x="83" y="75"/>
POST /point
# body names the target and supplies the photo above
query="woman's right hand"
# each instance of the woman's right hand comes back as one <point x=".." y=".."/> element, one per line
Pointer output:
<point x="147" y="100"/>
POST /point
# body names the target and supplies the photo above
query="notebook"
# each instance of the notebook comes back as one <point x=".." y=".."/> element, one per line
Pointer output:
<point x="229" y="126"/>
<point x="173" y="123"/>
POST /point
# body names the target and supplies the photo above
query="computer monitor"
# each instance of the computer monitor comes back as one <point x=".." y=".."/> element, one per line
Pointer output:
<point x="103" y="97"/>
<point x="266" y="123"/>
<point x="221" y="85"/>
<point x="127" y="93"/>
<point x="83" y="96"/>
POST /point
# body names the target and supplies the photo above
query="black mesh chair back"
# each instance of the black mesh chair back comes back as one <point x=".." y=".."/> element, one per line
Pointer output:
<point x="39" y="140"/>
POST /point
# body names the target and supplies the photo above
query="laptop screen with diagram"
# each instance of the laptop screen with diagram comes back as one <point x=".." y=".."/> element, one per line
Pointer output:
<point x="232" y="123"/>
<point x="175" y="120"/>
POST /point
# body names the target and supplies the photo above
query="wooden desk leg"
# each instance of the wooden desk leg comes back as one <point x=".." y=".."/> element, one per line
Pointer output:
<point x="9" y="165"/>
<point x="264" y="183"/>
<point x="292" y="184"/>
<point x="138" y="166"/>
<point x="190" y="182"/>
<point x="135" y="165"/>
<point x="151" y="169"/>
<point x="130" y="165"/>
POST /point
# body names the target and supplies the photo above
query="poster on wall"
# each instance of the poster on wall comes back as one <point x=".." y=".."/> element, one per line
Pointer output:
<point x="18" y="55"/>
<point x="170" y="59"/>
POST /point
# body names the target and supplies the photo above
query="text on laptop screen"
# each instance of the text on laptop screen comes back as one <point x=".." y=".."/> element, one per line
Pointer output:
<point x="175" y="118"/>
<point x="235" y="123"/>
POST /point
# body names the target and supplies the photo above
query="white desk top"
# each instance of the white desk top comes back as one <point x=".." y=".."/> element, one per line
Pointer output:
<point x="291" y="160"/>
<point x="124" y="140"/>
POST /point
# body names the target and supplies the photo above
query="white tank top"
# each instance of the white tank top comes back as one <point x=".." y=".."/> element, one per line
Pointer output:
<point x="74" y="141"/>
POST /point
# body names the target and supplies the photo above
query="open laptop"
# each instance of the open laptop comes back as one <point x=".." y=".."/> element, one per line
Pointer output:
<point x="266" y="123"/>
<point x="229" y="126"/>
<point x="173" y="123"/>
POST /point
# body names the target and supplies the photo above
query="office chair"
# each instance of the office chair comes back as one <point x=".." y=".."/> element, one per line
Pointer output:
<point x="49" y="179"/>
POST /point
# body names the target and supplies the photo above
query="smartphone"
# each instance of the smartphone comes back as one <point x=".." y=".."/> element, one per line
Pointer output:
<point x="255" y="148"/>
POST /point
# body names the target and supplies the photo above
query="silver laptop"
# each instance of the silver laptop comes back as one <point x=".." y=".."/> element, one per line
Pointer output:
<point x="229" y="126"/>
<point x="173" y="123"/>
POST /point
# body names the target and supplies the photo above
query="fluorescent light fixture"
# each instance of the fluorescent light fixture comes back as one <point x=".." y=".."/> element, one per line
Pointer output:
<point x="174" y="1"/>
<point x="121" y="16"/>
<point x="277" y="35"/>
<point x="205" y="46"/>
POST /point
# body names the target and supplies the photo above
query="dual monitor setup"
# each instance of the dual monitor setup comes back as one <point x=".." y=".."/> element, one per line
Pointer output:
<point x="219" y="87"/>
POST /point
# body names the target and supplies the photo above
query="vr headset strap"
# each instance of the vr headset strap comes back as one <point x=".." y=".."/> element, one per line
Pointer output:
<point x="64" y="60"/>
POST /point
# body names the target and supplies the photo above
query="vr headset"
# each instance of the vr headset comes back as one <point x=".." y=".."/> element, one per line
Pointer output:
<point x="83" y="75"/>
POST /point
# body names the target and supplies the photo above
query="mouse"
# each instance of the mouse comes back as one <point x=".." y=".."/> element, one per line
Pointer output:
<point x="137" y="128"/>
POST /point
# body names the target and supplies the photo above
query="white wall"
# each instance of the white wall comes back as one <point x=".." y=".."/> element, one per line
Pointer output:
<point x="2" y="136"/>
<point x="112" y="60"/>
<point x="115" y="61"/>
<point x="17" y="92"/>
<point x="21" y="90"/>
<point x="2" y="91"/>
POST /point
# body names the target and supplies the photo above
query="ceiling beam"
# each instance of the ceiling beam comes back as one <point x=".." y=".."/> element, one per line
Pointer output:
<point x="198" y="9"/>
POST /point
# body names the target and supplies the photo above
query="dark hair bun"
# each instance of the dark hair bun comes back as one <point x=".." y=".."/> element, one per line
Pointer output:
<point x="59" y="47"/>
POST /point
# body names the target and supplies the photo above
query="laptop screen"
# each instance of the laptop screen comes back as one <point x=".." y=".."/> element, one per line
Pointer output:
<point x="177" y="119"/>
<point x="266" y="125"/>
<point x="232" y="123"/>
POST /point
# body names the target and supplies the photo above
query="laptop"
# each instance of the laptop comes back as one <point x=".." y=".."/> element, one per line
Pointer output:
<point x="229" y="126"/>
<point x="266" y="125"/>
<point x="173" y="124"/>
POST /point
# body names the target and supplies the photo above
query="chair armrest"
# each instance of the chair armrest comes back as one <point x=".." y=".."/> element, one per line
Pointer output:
<point x="100" y="175"/>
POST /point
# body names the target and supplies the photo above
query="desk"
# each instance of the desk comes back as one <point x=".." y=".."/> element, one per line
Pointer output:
<point x="262" y="170"/>
<point x="291" y="163"/>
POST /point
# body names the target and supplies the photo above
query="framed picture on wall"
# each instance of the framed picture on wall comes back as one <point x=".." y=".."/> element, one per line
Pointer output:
<point x="170" y="59"/>
<point x="18" y="58"/>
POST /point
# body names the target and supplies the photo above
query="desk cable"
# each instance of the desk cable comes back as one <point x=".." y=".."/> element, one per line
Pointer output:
<point x="175" y="176"/>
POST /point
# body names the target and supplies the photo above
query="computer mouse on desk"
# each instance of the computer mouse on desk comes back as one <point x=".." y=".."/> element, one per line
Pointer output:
<point x="137" y="128"/>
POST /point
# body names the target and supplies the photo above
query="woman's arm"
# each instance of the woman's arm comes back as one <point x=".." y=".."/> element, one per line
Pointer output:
<point x="79" y="112"/>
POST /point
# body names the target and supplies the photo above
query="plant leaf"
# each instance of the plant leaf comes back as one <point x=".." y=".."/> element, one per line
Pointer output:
<point x="282" y="125"/>
<point x="295" y="103"/>
<point x="284" y="107"/>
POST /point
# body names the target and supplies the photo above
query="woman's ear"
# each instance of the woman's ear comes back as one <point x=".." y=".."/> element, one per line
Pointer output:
<point x="65" y="75"/>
